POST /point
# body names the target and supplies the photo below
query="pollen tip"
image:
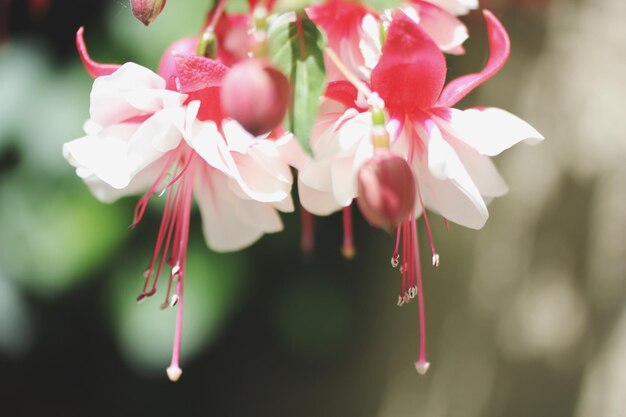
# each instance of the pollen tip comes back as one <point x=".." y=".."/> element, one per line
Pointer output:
<point x="173" y="300"/>
<point x="422" y="367"/>
<point x="174" y="373"/>
<point x="436" y="260"/>
<point x="141" y="297"/>
<point x="395" y="260"/>
<point x="348" y="251"/>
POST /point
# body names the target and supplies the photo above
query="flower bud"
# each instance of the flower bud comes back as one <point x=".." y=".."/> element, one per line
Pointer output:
<point x="147" y="10"/>
<point x="386" y="187"/>
<point x="167" y="65"/>
<point x="256" y="95"/>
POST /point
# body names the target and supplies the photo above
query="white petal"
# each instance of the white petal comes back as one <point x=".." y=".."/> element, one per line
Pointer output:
<point x="447" y="31"/>
<point x="370" y="41"/>
<point x="320" y="203"/>
<point x="456" y="7"/>
<point x="490" y="131"/>
<point x="482" y="170"/>
<point x="228" y="222"/>
<point x="130" y="91"/>
<point x="139" y="184"/>
<point x="448" y="185"/>
<point x="103" y="155"/>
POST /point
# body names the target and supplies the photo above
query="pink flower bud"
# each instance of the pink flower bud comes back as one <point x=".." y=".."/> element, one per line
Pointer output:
<point x="256" y="95"/>
<point x="386" y="187"/>
<point x="147" y="10"/>
<point x="167" y="65"/>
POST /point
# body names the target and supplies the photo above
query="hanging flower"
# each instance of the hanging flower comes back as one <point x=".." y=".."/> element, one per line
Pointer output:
<point x="142" y="135"/>
<point x="448" y="149"/>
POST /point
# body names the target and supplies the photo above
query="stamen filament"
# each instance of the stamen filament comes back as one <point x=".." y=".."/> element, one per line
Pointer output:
<point x="360" y="85"/>
<point x="307" y="236"/>
<point x="347" y="249"/>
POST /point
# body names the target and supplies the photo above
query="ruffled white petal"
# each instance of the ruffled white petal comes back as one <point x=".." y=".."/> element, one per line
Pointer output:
<point x="129" y="92"/>
<point x="228" y="222"/>
<point x="490" y="131"/>
<point x="320" y="203"/>
<point x="446" y="184"/>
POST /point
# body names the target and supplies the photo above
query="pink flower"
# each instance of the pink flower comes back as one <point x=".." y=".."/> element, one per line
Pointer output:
<point x="448" y="149"/>
<point x="143" y="136"/>
<point x="354" y="30"/>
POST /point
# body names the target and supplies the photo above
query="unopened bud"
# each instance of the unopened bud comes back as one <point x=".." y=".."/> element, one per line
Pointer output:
<point x="147" y="10"/>
<point x="256" y="95"/>
<point x="386" y="188"/>
<point x="167" y="65"/>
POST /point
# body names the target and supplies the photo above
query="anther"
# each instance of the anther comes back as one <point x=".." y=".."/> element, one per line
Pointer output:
<point x="395" y="259"/>
<point x="174" y="373"/>
<point x="348" y="251"/>
<point x="400" y="301"/>
<point x="173" y="300"/>
<point x="436" y="260"/>
<point x="422" y="367"/>
<point x="176" y="271"/>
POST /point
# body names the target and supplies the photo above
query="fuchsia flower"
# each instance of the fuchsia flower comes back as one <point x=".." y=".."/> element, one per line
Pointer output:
<point x="448" y="149"/>
<point x="353" y="30"/>
<point x="166" y="133"/>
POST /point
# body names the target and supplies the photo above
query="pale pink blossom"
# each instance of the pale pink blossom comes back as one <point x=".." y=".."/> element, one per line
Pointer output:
<point x="143" y="137"/>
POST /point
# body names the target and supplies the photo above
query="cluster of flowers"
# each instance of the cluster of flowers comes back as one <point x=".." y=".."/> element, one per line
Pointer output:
<point x="208" y="124"/>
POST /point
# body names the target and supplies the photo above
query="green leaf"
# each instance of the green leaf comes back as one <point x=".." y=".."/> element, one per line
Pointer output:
<point x="297" y="49"/>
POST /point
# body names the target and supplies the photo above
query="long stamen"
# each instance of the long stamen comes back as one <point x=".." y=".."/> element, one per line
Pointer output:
<point x="421" y="365"/>
<point x="360" y="85"/>
<point x="307" y="236"/>
<point x="395" y="256"/>
<point x="173" y="371"/>
<point x="435" y="259"/>
<point x="163" y="229"/>
<point x="142" y="204"/>
<point x="347" y="249"/>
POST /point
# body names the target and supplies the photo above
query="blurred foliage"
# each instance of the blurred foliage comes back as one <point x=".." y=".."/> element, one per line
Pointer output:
<point x="525" y="318"/>
<point x="214" y="287"/>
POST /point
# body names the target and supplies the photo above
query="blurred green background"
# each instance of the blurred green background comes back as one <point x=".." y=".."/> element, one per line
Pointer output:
<point x="525" y="318"/>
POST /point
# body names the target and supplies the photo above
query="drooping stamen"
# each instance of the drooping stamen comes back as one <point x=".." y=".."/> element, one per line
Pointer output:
<point x="435" y="259"/>
<point x="347" y="249"/>
<point x="353" y="79"/>
<point x="142" y="204"/>
<point x="174" y="371"/>
<point x="395" y="256"/>
<point x="307" y="235"/>
<point x="422" y="364"/>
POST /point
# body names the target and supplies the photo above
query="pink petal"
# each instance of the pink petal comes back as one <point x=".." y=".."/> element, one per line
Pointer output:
<point x="447" y="31"/>
<point x="197" y="72"/>
<point x="411" y="71"/>
<point x="499" y="47"/>
<point x="95" y="69"/>
<point x="343" y="92"/>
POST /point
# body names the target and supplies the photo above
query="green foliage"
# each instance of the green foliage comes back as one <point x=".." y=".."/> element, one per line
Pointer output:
<point x="297" y="49"/>
<point x="54" y="235"/>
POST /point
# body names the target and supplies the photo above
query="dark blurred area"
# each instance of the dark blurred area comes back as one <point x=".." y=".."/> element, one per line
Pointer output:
<point x="525" y="317"/>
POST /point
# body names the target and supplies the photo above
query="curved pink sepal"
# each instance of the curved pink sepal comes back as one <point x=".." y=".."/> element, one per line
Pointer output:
<point x="499" y="49"/>
<point x="343" y="92"/>
<point x="95" y="69"/>
<point x="197" y="72"/>
<point x="411" y="71"/>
